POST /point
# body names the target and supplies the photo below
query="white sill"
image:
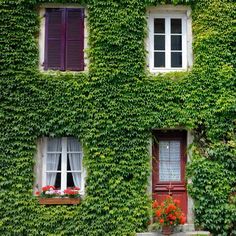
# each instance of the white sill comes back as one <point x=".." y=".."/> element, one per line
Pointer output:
<point x="165" y="70"/>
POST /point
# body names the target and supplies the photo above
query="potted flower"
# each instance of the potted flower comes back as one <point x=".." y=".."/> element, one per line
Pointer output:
<point x="51" y="196"/>
<point x="72" y="192"/>
<point x="168" y="214"/>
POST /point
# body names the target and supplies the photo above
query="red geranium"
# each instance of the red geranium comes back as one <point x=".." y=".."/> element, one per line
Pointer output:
<point x="47" y="188"/>
<point x="168" y="212"/>
<point x="155" y="204"/>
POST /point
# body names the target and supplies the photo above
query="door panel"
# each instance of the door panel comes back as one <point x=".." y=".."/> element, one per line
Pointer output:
<point x="169" y="160"/>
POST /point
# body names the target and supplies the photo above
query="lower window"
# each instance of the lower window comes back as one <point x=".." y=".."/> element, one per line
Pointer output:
<point x="62" y="163"/>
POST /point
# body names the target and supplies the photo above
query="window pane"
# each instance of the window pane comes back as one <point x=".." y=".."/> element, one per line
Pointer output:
<point x="159" y="59"/>
<point x="54" y="145"/>
<point x="53" y="162"/>
<point x="74" y="180"/>
<point x="74" y="161"/>
<point x="54" y="179"/>
<point x="169" y="171"/>
<point x="176" y="59"/>
<point x="164" y="150"/>
<point x="159" y="25"/>
<point x="73" y="145"/>
<point x="174" y="150"/>
<point x="159" y="42"/>
<point x="176" y="27"/>
<point x="176" y="42"/>
<point x="169" y="161"/>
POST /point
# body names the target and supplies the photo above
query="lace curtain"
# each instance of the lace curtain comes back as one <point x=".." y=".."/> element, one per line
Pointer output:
<point x="75" y="159"/>
<point x="53" y="145"/>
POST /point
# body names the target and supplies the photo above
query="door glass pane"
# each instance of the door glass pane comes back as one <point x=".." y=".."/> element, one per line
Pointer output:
<point x="159" y="42"/>
<point x="176" y="59"/>
<point x="159" y="25"/>
<point x="169" y="161"/>
<point x="176" y="42"/>
<point x="176" y="27"/>
<point x="159" y="59"/>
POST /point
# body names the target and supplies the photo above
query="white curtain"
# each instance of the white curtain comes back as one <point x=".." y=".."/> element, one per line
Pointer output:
<point x="75" y="160"/>
<point x="53" y="145"/>
<point x="169" y="165"/>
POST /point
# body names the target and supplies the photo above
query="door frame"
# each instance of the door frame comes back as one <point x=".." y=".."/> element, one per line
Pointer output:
<point x="179" y="186"/>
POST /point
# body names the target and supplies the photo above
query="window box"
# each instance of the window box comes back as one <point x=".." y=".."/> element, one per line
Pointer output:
<point x="59" y="201"/>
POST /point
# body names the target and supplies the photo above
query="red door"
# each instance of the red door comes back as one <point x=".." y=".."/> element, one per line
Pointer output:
<point x="168" y="166"/>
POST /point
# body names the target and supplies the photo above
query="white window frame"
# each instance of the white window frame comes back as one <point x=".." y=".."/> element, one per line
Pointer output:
<point x="63" y="165"/>
<point x="170" y="12"/>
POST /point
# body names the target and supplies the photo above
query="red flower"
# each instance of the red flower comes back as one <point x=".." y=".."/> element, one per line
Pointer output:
<point x="155" y="204"/>
<point x="171" y="222"/>
<point x="48" y="187"/>
<point x="182" y="219"/>
<point x="76" y="188"/>
<point x="37" y="193"/>
<point x="177" y="201"/>
<point x="158" y="213"/>
<point x="161" y="221"/>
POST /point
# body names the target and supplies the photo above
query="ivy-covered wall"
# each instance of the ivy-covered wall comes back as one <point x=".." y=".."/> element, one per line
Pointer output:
<point x="112" y="108"/>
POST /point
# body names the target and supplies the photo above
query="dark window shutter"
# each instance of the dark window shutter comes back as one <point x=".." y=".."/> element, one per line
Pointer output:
<point x="74" y="53"/>
<point x="55" y="39"/>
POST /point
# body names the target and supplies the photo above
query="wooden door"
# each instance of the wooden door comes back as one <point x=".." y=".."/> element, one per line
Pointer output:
<point x="168" y="166"/>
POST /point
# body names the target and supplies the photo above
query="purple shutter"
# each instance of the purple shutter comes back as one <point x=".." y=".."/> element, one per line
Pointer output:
<point x="55" y="39"/>
<point x="74" y="53"/>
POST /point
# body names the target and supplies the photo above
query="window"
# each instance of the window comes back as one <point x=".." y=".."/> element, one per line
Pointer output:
<point x="62" y="163"/>
<point x="64" y="39"/>
<point x="168" y="44"/>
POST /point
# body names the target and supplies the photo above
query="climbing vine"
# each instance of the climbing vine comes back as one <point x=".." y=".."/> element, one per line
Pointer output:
<point x="112" y="108"/>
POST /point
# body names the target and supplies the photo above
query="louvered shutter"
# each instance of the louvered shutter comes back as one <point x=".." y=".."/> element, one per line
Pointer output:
<point x="74" y="55"/>
<point x="55" y="39"/>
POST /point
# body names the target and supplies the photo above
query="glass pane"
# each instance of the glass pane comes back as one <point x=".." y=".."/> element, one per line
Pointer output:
<point x="73" y="145"/>
<point x="159" y="59"/>
<point x="54" y="145"/>
<point x="164" y="150"/>
<point x="54" y="179"/>
<point x="174" y="150"/>
<point x="164" y="171"/>
<point x="169" y="171"/>
<point x="169" y="161"/>
<point x="74" y="180"/>
<point x="176" y="42"/>
<point x="159" y="42"/>
<point x="74" y="161"/>
<point x="53" y="161"/>
<point x="174" y="174"/>
<point x="176" y="59"/>
<point x="159" y="25"/>
<point x="176" y="26"/>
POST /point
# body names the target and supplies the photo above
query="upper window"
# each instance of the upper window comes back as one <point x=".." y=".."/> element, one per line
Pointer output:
<point x="64" y="39"/>
<point x="168" y="42"/>
<point x="62" y="163"/>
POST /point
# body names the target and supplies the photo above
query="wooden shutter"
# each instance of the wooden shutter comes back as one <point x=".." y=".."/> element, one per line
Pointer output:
<point x="74" y="53"/>
<point x="55" y="39"/>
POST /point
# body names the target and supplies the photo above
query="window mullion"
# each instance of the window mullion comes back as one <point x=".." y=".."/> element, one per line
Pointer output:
<point x="44" y="161"/>
<point x="64" y="164"/>
<point x="184" y="42"/>
<point x="168" y="41"/>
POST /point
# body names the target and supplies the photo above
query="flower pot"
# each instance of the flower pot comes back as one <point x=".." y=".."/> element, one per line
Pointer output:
<point x="166" y="230"/>
<point x="59" y="201"/>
